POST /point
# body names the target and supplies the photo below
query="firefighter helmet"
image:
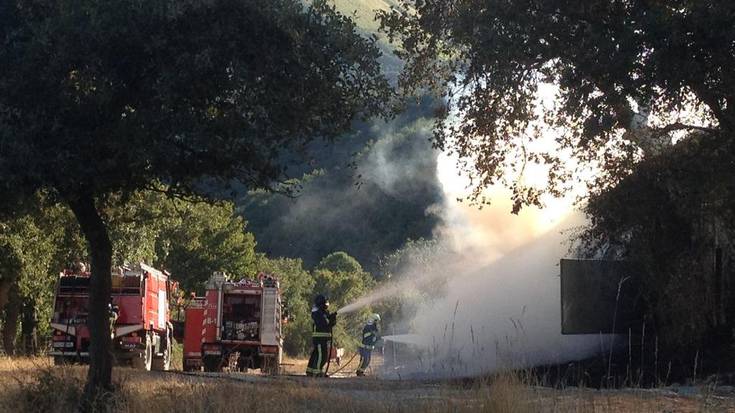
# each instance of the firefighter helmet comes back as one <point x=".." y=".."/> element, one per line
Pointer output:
<point x="374" y="318"/>
<point x="321" y="301"/>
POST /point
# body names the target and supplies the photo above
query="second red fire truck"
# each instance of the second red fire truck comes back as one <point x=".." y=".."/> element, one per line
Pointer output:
<point x="235" y="326"/>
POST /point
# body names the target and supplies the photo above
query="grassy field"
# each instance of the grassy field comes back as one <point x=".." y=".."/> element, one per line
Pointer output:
<point x="34" y="385"/>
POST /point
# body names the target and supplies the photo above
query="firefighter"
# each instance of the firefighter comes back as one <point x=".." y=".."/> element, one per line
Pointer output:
<point x="320" y="336"/>
<point x="369" y="338"/>
<point x="114" y="314"/>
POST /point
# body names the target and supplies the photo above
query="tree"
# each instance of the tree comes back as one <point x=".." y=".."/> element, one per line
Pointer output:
<point x="35" y="243"/>
<point x="202" y="239"/>
<point x="339" y="262"/>
<point x="99" y="98"/>
<point x="613" y="63"/>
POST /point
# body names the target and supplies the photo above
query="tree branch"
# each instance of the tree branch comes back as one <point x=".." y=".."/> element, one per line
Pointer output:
<point x="682" y="126"/>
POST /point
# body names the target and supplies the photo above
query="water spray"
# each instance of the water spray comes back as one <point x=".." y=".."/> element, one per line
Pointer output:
<point x="382" y="293"/>
<point x="413" y="339"/>
<point x="413" y="279"/>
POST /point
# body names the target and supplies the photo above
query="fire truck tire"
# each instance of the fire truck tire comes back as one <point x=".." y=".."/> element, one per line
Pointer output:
<point x="163" y="363"/>
<point x="212" y="363"/>
<point x="61" y="361"/>
<point x="145" y="362"/>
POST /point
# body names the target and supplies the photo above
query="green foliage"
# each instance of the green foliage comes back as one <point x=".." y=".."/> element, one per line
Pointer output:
<point x="136" y="222"/>
<point x="609" y="59"/>
<point x="363" y="12"/>
<point x="202" y="239"/>
<point x="223" y="89"/>
<point x="189" y="238"/>
<point x="340" y="262"/>
<point x="341" y="278"/>
<point x="35" y="247"/>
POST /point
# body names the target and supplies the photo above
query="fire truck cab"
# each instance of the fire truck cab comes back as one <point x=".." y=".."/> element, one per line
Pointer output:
<point x="139" y="315"/>
<point x="235" y="326"/>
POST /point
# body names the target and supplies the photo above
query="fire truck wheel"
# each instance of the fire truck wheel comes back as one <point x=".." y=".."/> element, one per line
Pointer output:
<point x="212" y="363"/>
<point x="61" y="361"/>
<point x="163" y="363"/>
<point x="145" y="362"/>
<point x="186" y="367"/>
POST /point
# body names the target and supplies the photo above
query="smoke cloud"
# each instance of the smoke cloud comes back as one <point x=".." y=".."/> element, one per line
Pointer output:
<point x="503" y="315"/>
<point x="497" y="298"/>
<point x="366" y="195"/>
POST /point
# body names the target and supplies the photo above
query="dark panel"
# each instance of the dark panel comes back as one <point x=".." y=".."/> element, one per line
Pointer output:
<point x="598" y="296"/>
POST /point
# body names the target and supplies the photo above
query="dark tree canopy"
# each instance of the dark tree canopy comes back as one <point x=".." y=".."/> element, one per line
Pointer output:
<point x="98" y="96"/>
<point x="612" y="62"/>
<point x="108" y="97"/>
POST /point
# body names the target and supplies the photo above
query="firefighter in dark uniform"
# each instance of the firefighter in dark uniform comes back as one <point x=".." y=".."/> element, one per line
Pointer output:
<point x="369" y="339"/>
<point x="320" y="336"/>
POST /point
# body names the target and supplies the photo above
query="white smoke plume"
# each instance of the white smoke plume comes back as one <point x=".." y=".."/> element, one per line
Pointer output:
<point x="504" y="315"/>
<point x="499" y="305"/>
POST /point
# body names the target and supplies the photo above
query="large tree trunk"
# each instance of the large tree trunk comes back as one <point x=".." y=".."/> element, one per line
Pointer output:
<point x="28" y="327"/>
<point x="10" y="324"/>
<point x="99" y="375"/>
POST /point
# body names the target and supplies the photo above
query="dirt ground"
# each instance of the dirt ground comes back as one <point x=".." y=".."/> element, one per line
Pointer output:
<point x="35" y="385"/>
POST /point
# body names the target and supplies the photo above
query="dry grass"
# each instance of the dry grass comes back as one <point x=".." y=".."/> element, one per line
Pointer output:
<point x="31" y="385"/>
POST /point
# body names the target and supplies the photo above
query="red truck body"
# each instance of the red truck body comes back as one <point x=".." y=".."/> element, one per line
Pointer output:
<point x="236" y="325"/>
<point x="142" y="331"/>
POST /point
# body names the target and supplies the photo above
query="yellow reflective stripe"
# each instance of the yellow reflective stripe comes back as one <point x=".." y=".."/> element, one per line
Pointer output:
<point x="320" y="334"/>
<point x="367" y="346"/>
<point x="367" y="335"/>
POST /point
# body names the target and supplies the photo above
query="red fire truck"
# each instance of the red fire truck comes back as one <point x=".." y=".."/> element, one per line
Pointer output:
<point x="139" y="313"/>
<point x="235" y="326"/>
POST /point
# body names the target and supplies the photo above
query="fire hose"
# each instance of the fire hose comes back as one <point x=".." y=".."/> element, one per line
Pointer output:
<point x="345" y="365"/>
<point x="329" y="356"/>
